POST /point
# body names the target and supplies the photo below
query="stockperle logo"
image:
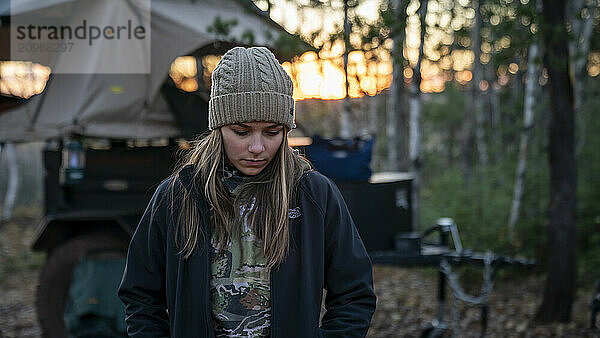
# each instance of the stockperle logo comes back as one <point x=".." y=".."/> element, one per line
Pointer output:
<point x="83" y="36"/>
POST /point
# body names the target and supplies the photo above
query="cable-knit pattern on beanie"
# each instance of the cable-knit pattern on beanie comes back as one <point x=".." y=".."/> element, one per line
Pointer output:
<point x="224" y="75"/>
<point x="248" y="85"/>
<point x="267" y="81"/>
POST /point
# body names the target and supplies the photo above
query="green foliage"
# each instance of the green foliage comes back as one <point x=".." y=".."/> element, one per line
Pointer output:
<point x="248" y="37"/>
<point x="390" y="25"/>
<point x="508" y="19"/>
<point x="222" y="28"/>
<point x="481" y="211"/>
<point x="289" y="45"/>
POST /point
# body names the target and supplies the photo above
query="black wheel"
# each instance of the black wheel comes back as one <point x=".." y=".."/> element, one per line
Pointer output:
<point x="55" y="277"/>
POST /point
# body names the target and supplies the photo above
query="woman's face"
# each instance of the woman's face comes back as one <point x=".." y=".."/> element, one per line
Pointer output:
<point x="251" y="146"/>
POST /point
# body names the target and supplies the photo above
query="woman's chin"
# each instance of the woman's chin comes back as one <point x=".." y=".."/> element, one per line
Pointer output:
<point x="251" y="168"/>
<point x="251" y="171"/>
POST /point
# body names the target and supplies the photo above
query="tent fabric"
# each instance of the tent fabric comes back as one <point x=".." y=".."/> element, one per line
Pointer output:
<point x="127" y="105"/>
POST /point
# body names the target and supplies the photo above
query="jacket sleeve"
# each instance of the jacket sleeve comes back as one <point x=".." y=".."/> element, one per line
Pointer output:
<point x="350" y="299"/>
<point x="142" y="288"/>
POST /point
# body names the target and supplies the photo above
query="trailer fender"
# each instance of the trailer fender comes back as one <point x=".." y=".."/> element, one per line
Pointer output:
<point x="55" y="229"/>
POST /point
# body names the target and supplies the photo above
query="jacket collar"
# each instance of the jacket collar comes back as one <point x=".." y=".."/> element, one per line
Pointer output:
<point x="188" y="181"/>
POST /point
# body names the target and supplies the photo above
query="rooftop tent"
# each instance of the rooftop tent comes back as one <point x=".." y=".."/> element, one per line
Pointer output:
<point x="128" y="105"/>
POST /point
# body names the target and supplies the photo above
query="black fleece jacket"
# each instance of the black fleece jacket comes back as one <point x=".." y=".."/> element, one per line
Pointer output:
<point x="168" y="296"/>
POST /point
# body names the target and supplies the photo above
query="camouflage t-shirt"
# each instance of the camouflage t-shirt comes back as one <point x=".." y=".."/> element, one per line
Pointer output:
<point x="240" y="287"/>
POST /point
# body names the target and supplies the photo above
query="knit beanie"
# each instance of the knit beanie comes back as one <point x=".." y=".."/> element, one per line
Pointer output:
<point x="249" y="85"/>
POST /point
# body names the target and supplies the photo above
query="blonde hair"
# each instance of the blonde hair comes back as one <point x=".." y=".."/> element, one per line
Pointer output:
<point x="273" y="190"/>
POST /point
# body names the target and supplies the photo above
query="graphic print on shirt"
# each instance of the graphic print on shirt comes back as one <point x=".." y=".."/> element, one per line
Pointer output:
<point x="240" y="287"/>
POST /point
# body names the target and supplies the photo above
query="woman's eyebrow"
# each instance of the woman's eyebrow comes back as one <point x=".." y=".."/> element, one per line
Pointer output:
<point x="242" y="125"/>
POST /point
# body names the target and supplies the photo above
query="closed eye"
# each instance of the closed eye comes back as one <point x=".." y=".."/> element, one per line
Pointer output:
<point x="273" y="132"/>
<point x="240" y="132"/>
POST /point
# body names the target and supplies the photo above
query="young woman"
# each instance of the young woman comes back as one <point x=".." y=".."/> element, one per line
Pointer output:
<point x="243" y="238"/>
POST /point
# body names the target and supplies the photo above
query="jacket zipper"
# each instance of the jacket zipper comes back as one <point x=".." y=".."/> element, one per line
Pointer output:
<point x="271" y="275"/>
<point x="209" y="323"/>
<point x="208" y="303"/>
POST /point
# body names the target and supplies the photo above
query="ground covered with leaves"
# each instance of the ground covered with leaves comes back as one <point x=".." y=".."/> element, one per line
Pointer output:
<point x="407" y="298"/>
<point x="407" y="303"/>
<point x="19" y="269"/>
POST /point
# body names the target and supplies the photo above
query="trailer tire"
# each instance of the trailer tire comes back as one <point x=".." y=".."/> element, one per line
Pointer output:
<point x="55" y="277"/>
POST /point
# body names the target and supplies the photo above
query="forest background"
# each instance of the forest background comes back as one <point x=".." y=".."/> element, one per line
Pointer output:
<point x="473" y="112"/>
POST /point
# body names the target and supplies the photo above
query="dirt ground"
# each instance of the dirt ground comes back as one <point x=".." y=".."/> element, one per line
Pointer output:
<point x="19" y="268"/>
<point x="406" y="298"/>
<point x="407" y="303"/>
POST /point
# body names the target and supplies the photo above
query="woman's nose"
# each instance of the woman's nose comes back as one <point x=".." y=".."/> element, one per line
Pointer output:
<point x="256" y="146"/>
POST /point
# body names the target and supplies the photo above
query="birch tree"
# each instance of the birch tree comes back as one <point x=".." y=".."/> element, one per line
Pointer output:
<point x="415" y="122"/>
<point x="476" y="99"/>
<point x="530" y="100"/>
<point x="494" y="102"/>
<point x="345" y="127"/>
<point x="580" y="18"/>
<point x="396" y="130"/>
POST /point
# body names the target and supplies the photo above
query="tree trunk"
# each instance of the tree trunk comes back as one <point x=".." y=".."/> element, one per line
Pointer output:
<point x="467" y="135"/>
<point x="495" y="112"/>
<point x="559" y="291"/>
<point x="13" y="182"/>
<point x="415" y="123"/>
<point x="372" y="120"/>
<point x="392" y="132"/>
<point x="527" y="125"/>
<point x="345" y="127"/>
<point x="579" y="47"/>
<point x="467" y="146"/>
<point x="476" y="97"/>
<point x="516" y="90"/>
<point x="516" y="98"/>
<point x="397" y="117"/>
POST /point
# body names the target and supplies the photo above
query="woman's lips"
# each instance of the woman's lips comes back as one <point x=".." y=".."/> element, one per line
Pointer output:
<point x="253" y="163"/>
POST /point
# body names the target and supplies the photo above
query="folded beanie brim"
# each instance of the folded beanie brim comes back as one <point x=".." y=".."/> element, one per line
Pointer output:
<point x="250" y="106"/>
